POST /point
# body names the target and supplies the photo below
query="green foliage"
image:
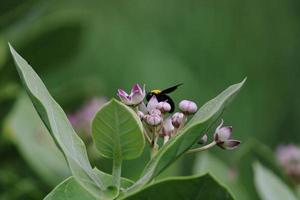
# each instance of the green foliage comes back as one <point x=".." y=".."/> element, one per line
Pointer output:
<point x="70" y="189"/>
<point x="59" y="126"/>
<point x="269" y="186"/>
<point x="188" y="188"/>
<point x="35" y="143"/>
<point x="226" y="175"/>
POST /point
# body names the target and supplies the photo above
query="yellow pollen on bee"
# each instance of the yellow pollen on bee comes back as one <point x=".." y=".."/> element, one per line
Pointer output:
<point x="156" y="91"/>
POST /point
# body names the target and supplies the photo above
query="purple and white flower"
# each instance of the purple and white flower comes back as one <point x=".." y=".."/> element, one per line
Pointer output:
<point x="136" y="96"/>
<point x="288" y="157"/>
<point x="223" y="139"/>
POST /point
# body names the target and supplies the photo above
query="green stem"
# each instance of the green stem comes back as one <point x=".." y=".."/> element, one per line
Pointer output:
<point x="116" y="171"/>
<point x="210" y="145"/>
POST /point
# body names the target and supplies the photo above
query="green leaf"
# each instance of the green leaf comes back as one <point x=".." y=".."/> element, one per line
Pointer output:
<point x="118" y="134"/>
<point x="187" y="188"/>
<point x="269" y="186"/>
<point x="251" y="151"/>
<point x="59" y="126"/>
<point x="118" y="131"/>
<point x="188" y="136"/>
<point x="35" y="143"/>
<point x="70" y="189"/>
<point x="227" y="175"/>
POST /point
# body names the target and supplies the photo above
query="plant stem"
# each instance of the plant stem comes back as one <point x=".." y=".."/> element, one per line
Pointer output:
<point x="116" y="171"/>
<point x="210" y="145"/>
<point x="154" y="145"/>
<point x="166" y="139"/>
<point x="147" y="137"/>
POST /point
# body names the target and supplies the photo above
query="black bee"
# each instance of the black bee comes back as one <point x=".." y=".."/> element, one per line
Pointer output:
<point x="161" y="95"/>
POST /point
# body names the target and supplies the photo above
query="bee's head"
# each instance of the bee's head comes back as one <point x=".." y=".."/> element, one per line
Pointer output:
<point x="151" y="93"/>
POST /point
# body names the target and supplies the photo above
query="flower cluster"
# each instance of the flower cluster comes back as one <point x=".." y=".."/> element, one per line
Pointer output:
<point x="159" y="123"/>
<point x="288" y="157"/>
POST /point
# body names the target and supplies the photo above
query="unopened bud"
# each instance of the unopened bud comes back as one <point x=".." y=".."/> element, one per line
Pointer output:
<point x="140" y="114"/>
<point x="153" y="120"/>
<point x="177" y="119"/>
<point x="188" y="107"/>
<point x="203" y="139"/>
<point x="163" y="107"/>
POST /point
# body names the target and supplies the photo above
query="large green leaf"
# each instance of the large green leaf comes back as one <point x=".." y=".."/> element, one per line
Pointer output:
<point x="70" y="189"/>
<point x="187" y="188"/>
<point x="35" y="143"/>
<point x="188" y="136"/>
<point x="117" y="131"/>
<point x="269" y="186"/>
<point x="58" y="125"/>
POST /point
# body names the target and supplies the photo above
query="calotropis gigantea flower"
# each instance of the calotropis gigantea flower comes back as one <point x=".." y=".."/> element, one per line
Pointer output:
<point x="177" y="119"/>
<point x="136" y="96"/>
<point x="188" y="107"/>
<point x="223" y="139"/>
<point x="167" y="128"/>
<point x="288" y="157"/>
<point x="152" y="104"/>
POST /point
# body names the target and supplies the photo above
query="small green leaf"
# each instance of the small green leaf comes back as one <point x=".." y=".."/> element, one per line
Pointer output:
<point x="70" y="189"/>
<point x="118" y="134"/>
<point x="60" y="128"/>
<point x="118" y="131"/>
<point x="188" y="136"/>
<point x="187" y="188"/>
<point x="269" y="186"/>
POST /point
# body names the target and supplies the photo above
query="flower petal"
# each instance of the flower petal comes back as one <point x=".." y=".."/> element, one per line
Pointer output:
<point x="152" y="103"/>
<point x="136" y="89"/>
<point x="231" y="144"/>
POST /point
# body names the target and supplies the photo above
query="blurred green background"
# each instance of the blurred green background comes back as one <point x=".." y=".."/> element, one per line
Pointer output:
<point x="83" y="49"/>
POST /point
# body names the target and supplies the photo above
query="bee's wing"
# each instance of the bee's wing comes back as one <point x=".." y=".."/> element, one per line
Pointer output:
<point x="171" y="89"/>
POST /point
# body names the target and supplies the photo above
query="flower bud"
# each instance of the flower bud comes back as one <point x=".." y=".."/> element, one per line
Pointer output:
<point x="167" y="128"/>
<point x="177" y="119"/>
<point x="164" y="107"/>
<point x="140" y="114"/>
<point x="188" y="107"/>
<point x="203" y="139"/>
<point x="153" y="120"/>
<point x="155" y="112"/>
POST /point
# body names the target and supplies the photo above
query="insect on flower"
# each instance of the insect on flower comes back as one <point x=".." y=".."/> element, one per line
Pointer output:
<point x="162" y="96"/>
